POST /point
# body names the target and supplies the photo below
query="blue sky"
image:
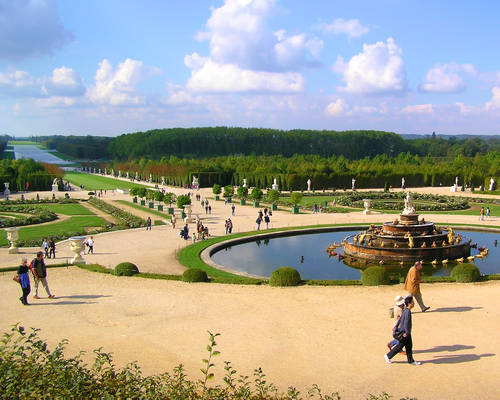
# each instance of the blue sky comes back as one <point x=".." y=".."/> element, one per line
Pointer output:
<point x="111" y="67"/>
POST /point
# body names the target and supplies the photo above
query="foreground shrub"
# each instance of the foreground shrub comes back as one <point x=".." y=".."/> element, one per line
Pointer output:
<point x="126" y="269"/>
<point x="375" y="276"/>
<point x="465" y="273"/>
<point x="285" y="276"/>
<point x="194" y="275"/>
<point x="30" y="370"/>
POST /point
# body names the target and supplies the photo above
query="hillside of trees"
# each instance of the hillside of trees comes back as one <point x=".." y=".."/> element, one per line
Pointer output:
<point x="225" y="141"/>
<point x="79" y="147"/>
<point x="28" y="175"/>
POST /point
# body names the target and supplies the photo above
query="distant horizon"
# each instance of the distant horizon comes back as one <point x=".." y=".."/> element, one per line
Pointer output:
<point x="106" y="68"/>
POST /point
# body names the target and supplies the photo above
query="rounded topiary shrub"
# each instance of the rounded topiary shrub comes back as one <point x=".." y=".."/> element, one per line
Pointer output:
<point x="285" y="276"/>
<point x="465" y="273"/>
<point x="126" y="269"/>
<point x="375" y="276"/>
<point x="194" y="275"/>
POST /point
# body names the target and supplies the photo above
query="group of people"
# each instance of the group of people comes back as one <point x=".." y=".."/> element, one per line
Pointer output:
<point x="228" y="224"/>
<point x="402" y="314"/>
<point x="207" y="206"/>
<point x="49" y="247"/>
<point x="39" y="272"/>
<point x="263" y="216"/>
<point x="481" y="213"/>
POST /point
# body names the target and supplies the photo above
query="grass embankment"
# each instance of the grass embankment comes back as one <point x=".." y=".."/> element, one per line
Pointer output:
<point x="66" y="209"/>
<point x="97" y="182"/>
<point x="23" y="143"/>
<point x="144" y="208"/>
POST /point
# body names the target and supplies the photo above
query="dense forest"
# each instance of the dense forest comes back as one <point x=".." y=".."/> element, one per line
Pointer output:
<point x="79" y="147"/>
<point x="292" y="173"/>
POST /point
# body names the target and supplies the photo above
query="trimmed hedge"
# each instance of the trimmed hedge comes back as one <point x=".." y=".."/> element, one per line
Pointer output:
<point x="126" y="269"/>
<point x="375" y="276"/>
<point x="194" y="275"/>
<point x="465" y="273"/>
<point x="285" y="276"/>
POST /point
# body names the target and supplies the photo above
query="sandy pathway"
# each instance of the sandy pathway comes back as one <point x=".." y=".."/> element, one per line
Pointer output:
<point x="333" y="336"/>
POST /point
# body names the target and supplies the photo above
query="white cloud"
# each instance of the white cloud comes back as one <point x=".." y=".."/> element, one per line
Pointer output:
<point x="56" y="102"/>
<point x="20" y="83"/>
<point x="213" y="77"/>
<point x="30" y="28"/>
<point x="378" y="69"/>
<point x="494" y="103"/>
<point x="336" y="108"/>
<point x="419" y="109"/>
<point x="118" y="87"/>
<point x="243" y="45"/>
<point x="64" y="82"/>
<point x="349" y="27"/>
<point x="446" y="78"/>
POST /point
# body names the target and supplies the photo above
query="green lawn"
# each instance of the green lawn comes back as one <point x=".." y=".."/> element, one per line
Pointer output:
<point x="22" y="142"/>
<point x="96" y="182"/>
<point x="73" y="224"/>
<point x="67" y="209"/>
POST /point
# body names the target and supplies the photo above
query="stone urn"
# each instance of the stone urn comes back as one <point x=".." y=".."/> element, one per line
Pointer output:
<point x="6" y="192"/>
<point x="76" y="245"/>
<point x="12" y="236"/>
<point x="187" y="210"/>
<point x="367" y="203"/>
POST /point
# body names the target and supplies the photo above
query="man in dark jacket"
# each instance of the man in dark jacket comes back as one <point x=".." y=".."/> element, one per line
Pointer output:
<point x="404" y="328"/>
<point x="40" y="274"/>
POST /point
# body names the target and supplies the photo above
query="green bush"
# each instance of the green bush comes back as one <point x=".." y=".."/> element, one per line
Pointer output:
<point x="126" y="269"/>
<point x="194" y="275"/>
<point x="183" y="200"/>
<point x="465" y="273"/>
<point x="375" y="276"/>
<point x="285" y="276"/>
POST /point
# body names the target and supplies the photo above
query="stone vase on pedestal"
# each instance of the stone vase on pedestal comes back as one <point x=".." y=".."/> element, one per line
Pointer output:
<point x="187" y="210"/>
<point x="367" y="203"/>
<point x="12" y="236"/>
<point x="77" y="246"/>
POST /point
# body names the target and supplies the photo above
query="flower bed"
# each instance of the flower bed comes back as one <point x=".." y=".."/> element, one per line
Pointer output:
<point x="126" y="219"/>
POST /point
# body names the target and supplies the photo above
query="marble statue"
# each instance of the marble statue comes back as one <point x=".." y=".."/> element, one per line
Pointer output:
<point x="274" y="185"/>
<point x="308" y="185"/>
<point x="403" y="183"/>
<point x="244" y="182"/>
<point x="409" y="208"/>
<point x="353" y="181"/>
<point x="492" y="184"/>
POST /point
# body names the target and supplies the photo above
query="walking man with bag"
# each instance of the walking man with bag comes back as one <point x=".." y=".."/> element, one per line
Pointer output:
<point x="40" y="274"/>
<point x="412" y="285"/>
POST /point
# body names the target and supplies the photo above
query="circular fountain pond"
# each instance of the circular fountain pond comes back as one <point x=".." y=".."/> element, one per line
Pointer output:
<point x="306" y="253"/>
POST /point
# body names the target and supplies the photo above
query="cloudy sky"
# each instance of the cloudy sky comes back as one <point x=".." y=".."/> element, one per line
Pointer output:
<point x="107" y="67"/>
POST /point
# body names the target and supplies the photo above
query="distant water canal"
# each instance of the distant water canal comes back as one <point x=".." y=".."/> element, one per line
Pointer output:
<point x="307" y="254"/>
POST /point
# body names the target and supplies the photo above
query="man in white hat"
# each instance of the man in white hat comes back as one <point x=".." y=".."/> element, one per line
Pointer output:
<point x="399" y="305"/>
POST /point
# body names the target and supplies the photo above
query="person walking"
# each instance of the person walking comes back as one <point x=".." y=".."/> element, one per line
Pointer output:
<point x="481" y="214"/>
<point x="39" y="271"/>
<point x="148" y="223"/>
<point x="52" y="248"/>
<point x="173" y="221"/>
<point x="397" y="312"/>
<point x="24" y="280"/>
<point x="45" y="247"/>
<point x="90" y="245"/>
<point x="488" y="212"/>
<point x="267" y="220"/>
<point x="412" y="285"/>
<point x="226" y="226"/>
<point x="258" y="221"/>
<point x="209" y="209"/>
<point x="229" y="226"/>
<point x="402" y="331"/>
<point x="233" y="207"/>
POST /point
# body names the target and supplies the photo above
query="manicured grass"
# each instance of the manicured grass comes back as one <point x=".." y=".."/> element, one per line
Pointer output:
<point x="96" y="182"/>
<point x="23" y="142"/>
<point x="144" y="208"/>
<point x="73" y="224"/>
<point x="66" y="209"/>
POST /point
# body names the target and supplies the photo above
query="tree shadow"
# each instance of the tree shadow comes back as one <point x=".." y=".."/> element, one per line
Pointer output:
<point x="84" y="296"/>
<point x="60" y="303"/>
<point x="455" y="309"/>
<point x="436" y="349"/>
<point x="457" y="358"/>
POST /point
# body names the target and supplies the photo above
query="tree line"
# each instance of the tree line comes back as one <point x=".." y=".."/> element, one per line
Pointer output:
<point x="28" y="175"/>
<point x="292" y="173"/>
